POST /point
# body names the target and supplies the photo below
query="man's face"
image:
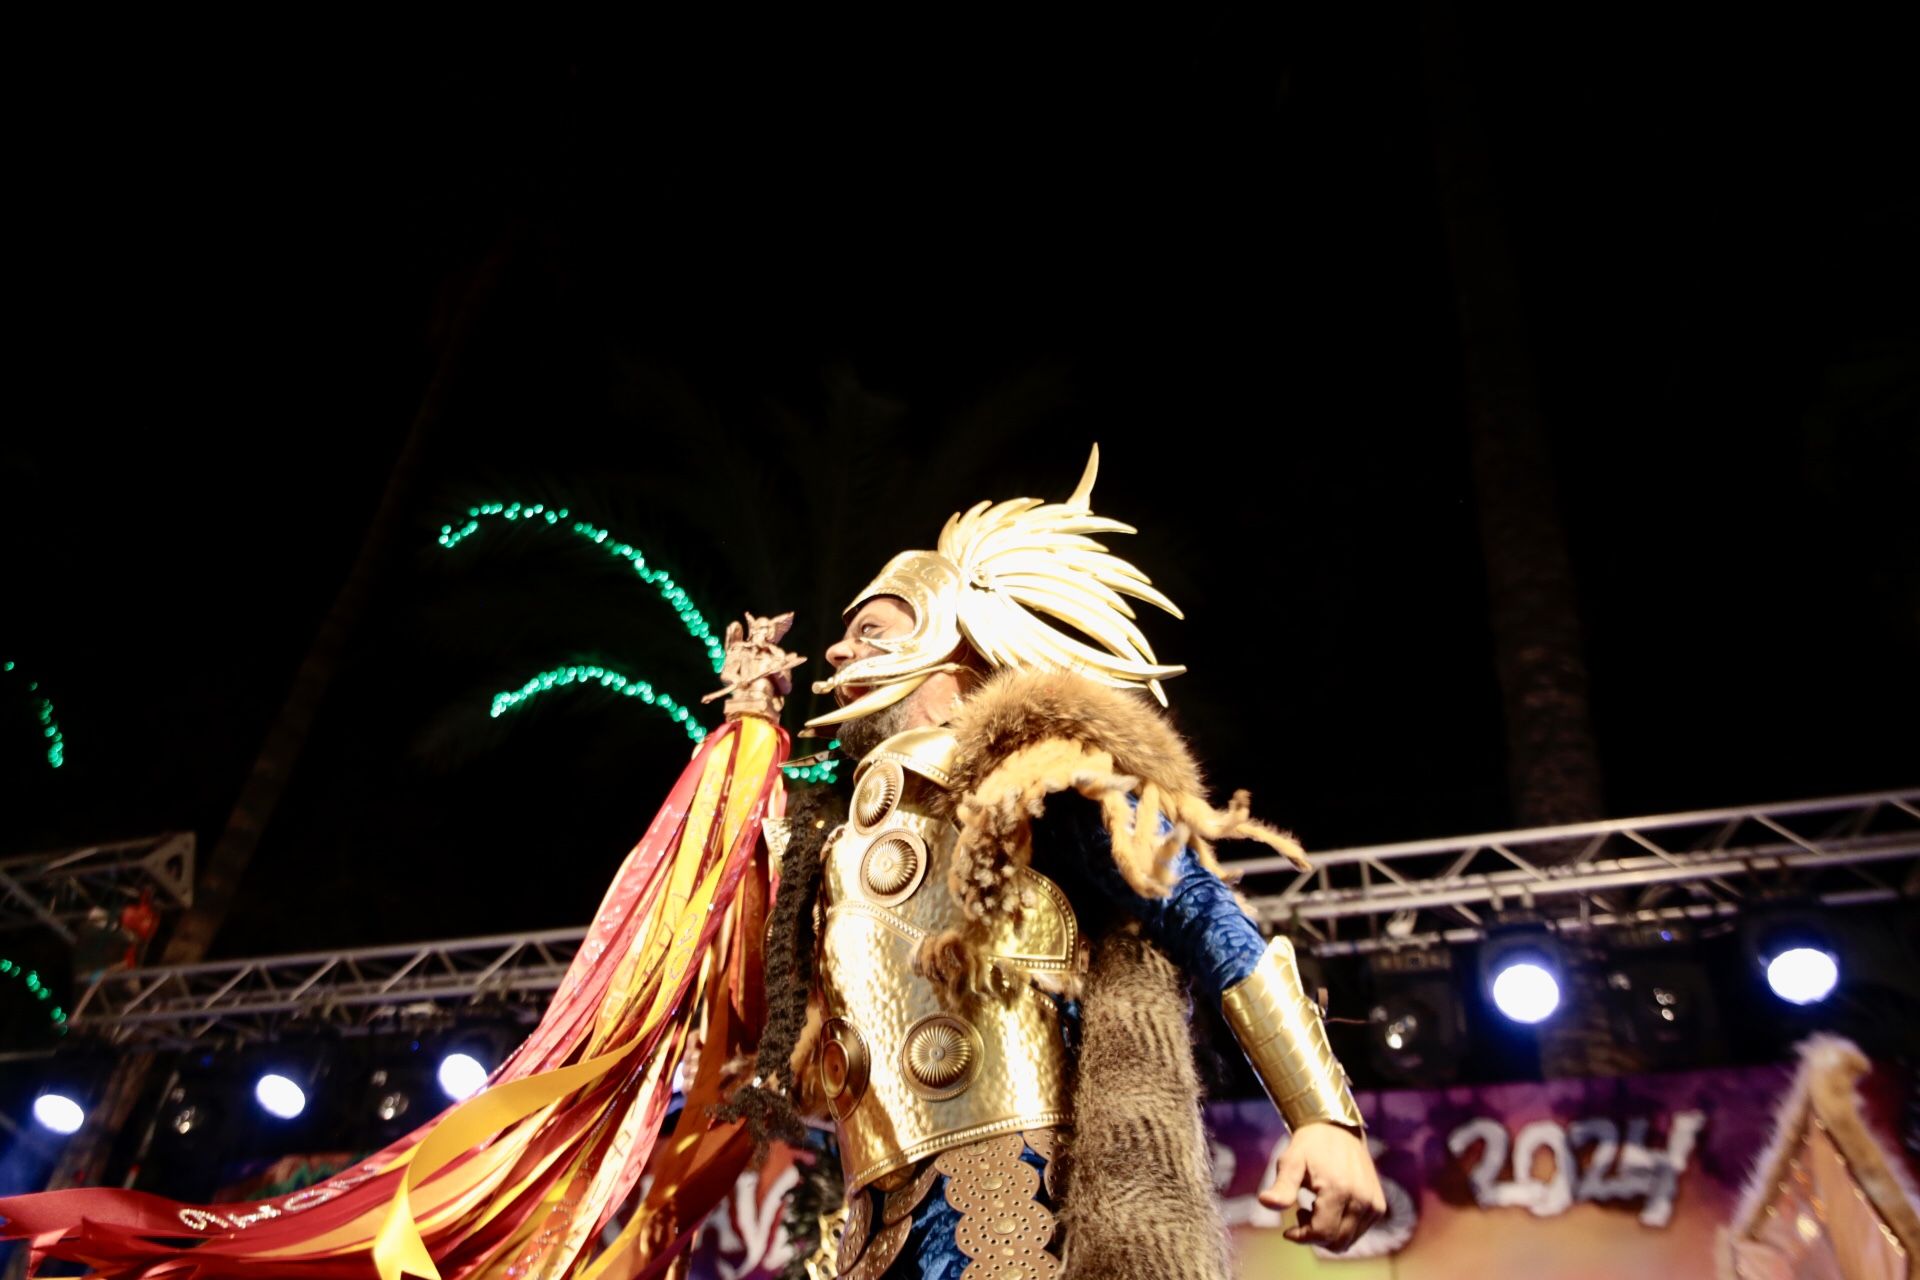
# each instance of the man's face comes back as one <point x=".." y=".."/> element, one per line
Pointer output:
<point x="881" y="618"/>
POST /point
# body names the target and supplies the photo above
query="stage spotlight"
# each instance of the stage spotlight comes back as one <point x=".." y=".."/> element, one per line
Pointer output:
<point x="1803" y="975"/>
<point x="1520" y="968"/>
<point x="59" y="1113"/>
<point x="1795" y="953"/>
<point x="461" y="1076"/>
<point x="279" y="1096"/>
<point x="1525" y="989"/>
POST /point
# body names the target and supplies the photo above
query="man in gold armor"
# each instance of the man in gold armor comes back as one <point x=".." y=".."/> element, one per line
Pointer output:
<point x="996" y="942"/>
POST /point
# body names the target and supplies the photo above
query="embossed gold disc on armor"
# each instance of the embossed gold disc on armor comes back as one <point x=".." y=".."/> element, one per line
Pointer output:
<point x="844" y="1065"/>
<point x="893" y="866"/>
<point x="878" y="792"/>
<point x="941" y="1055"/>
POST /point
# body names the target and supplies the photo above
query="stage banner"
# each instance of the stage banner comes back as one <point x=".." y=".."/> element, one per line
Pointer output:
<point x="1569" y="1180"/>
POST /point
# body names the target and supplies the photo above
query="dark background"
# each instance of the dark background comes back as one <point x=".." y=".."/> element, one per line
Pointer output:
<point x="772" y="302"/>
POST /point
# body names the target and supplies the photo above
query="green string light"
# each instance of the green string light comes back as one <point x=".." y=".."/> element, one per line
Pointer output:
<point x="822" y="771"/>
<point x="563" y="677"/>
<point x="49" y="728"/>
<point x="36" y="989"/>
<point x="557" y="517"/>
<point x="689" y="614"/>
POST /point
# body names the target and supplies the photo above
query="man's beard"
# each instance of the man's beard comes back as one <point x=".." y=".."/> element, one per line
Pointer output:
<point x="858" y="737"/>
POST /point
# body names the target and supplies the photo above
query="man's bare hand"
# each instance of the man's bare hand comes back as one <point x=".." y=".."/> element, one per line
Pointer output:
<point x="1332" y="1162"/>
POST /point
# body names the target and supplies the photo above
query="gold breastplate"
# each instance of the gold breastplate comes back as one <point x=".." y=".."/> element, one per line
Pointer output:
<point x="904" y="1075"/>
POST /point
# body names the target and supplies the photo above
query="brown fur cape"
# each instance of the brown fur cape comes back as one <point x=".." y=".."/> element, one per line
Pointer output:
<point x="1027" y="735"/>
<point x="1139" y="1201"/>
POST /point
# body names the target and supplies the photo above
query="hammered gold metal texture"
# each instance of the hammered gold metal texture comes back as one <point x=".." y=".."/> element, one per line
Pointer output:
<point x="1017" y="1072"/>
<point x="1281" y="1031"/>
<point x="845" y="1065"/>
<point x="882" y="1250"/>
<point x="941" y="1056"/>
<point x="876" y="795"/>
<point x="905" y="1199"/>
<point x="893" y="866"/>
<point x="853" y="1236"/>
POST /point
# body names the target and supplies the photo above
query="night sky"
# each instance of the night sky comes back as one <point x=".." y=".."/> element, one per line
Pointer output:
<point x="772" y="303"/>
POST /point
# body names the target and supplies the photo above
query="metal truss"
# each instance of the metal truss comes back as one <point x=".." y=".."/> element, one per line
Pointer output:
<point x="359" y="990"/>
<point x="1837" y="852"/>
<point x="1840" y="851"/>
<point x="57" y="889"/>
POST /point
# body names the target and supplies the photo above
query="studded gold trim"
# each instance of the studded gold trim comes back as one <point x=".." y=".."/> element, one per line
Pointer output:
<point x="927" y="751"/>
<point x="905" y="1199"/>
<point x="853" y="1234"/>
<point x="1047" y="1145"/>
<point x="1003" y="1229"/>
<point x="893" y="866"/>
<point x="941" y="1056"/>
<point x="882" y="1250"/>
<point x="875" y="798"/>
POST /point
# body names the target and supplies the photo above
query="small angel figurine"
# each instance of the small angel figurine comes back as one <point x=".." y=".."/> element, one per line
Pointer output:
<point x="755" y="668"/>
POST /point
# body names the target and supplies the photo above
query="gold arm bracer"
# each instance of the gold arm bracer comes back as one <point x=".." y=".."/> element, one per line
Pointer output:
<point x="1279" y="1027"/>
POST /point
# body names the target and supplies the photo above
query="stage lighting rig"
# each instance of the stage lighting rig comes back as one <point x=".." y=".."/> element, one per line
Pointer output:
<point x="1657" y="989"/>
<point x="1416" y="1029"/>
<point x="390" y="1099"/>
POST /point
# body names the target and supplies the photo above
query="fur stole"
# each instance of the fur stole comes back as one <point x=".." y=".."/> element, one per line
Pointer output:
<point x="1026" y="735"/>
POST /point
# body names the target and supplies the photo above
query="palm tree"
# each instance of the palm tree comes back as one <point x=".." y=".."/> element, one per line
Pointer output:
<point x="1553" y="765"/>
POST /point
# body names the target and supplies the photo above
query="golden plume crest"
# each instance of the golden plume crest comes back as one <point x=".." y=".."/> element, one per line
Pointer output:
<point x="1001" y="576"/>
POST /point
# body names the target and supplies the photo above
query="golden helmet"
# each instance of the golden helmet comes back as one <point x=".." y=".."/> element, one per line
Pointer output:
<point x="1000" y="578"/>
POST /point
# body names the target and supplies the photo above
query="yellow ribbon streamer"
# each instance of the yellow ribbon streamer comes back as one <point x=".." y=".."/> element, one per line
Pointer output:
<point x="672" y="936"/>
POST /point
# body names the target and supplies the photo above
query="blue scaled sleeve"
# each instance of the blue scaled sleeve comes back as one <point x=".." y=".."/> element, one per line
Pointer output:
<point x="1199" y="924"/>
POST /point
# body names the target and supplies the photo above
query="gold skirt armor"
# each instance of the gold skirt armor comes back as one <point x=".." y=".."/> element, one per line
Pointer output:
<point x="1006" y="1227"/>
